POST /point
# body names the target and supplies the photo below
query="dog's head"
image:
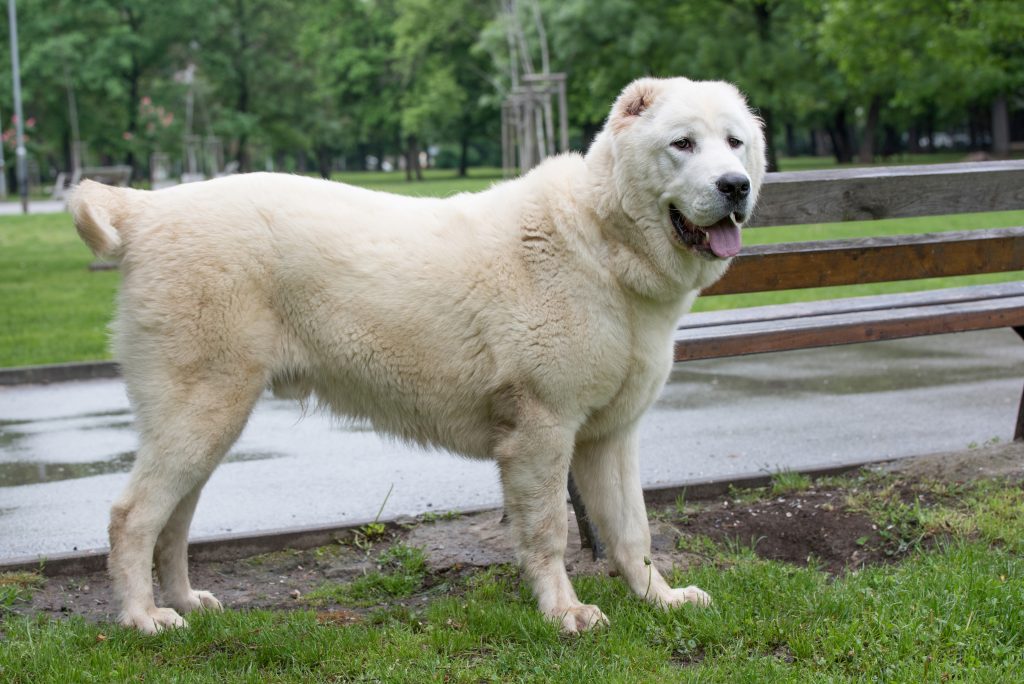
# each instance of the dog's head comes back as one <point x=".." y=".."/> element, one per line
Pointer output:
<point x="688" y="159"/>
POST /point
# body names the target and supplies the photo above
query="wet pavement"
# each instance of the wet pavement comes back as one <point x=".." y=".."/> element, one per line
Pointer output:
<point x="65" y="449"/>
<point x="35" y="206"/>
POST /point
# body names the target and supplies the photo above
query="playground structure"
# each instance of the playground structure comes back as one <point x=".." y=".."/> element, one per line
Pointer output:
<point x="527" y="122"/>
<point x="528" y="133"/>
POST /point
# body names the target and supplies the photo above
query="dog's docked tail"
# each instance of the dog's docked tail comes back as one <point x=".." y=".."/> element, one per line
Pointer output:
<point x="99" y="212"/>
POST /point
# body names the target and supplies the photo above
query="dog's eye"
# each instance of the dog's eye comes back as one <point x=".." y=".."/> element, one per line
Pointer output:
<point x="683" y="144"/>
<point x="734" y="142"/>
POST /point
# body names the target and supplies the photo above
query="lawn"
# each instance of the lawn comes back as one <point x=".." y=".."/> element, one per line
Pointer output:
<point x="52" y="308"/>
<point x="938" y="596"/>
<point x="55" y="310"/>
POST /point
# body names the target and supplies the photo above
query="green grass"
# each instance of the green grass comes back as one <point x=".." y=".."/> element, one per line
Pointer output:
<point x="789" y="482"/>
<point x="53" y="309"/>
<point x="435" y="183"/>
<point x="402" y="571"/>
<point x="17" y="586"/>
<point x="950" y="610"/>
<point x="813" y="163"/>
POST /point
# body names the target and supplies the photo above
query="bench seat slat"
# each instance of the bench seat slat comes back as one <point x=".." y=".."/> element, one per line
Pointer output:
<point x="848" y="327"/>
<point x="790" y="266"/>
<point x="825" y="307"/>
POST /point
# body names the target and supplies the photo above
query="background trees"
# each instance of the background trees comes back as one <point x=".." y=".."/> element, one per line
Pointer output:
<point x="305" y="85"/>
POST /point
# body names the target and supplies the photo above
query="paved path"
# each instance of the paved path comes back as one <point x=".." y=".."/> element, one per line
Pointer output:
<point x="34" y="207"/>
<point x="65" y="449"/>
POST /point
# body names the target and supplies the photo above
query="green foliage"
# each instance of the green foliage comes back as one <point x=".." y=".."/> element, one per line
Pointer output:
<point x="304" y="82"/>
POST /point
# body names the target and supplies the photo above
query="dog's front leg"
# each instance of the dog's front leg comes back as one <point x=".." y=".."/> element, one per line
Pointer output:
<point x="607" y="473"/>
<point x="534" y="462"/>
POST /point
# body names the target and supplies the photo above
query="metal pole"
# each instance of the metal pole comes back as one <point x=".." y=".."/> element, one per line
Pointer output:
<point x="3" y="167"/>
<point x="20" y="152"/>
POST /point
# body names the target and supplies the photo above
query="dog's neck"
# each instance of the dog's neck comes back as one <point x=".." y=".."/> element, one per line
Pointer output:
<point x="652" y="270"/>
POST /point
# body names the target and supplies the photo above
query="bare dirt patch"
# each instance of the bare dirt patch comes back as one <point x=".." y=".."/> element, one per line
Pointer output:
<point x="807" y="527"/>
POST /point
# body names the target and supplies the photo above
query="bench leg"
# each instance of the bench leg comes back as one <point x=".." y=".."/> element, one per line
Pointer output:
<point x="1018" y="433"/>
<point x="588" y="533"/>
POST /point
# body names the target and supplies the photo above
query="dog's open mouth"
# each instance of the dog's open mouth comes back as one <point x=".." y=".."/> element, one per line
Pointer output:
<point x="720" y="239"/>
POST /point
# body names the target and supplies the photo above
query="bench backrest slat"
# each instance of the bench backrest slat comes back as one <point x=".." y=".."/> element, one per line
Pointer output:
<point x="791" y="266"/>
<point x="889" y="192"/>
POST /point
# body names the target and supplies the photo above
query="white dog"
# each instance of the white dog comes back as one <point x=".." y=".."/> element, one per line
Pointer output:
<point x="530" y="323"/>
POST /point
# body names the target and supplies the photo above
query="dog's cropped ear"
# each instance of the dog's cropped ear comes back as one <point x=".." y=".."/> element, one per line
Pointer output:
<point x="633" y="101"/>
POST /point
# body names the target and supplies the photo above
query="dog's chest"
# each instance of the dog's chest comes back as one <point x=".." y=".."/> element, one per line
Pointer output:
<point x="642" y="378"/>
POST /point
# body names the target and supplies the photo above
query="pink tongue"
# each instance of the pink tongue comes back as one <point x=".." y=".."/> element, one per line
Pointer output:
<point x="724" y="238"/>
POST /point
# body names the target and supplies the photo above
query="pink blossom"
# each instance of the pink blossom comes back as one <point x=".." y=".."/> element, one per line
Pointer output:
<point x="146" y="101"/>
<point x="127" y="135"/>
<point x="169" y="119"/>
<point x="31" y="123"/>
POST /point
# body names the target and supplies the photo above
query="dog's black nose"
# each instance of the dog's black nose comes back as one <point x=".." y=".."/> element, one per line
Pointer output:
<point x="735" y="186"/>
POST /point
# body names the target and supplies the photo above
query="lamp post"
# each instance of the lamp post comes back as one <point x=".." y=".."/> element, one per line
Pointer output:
<point x="20" y="152"/>
<point x="3" y="167"/>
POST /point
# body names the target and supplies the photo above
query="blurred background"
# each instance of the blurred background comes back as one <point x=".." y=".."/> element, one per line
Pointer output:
<point x="154" y="92"/>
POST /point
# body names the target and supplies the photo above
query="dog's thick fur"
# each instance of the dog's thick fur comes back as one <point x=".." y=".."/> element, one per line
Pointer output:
<point x="530" y="323"/>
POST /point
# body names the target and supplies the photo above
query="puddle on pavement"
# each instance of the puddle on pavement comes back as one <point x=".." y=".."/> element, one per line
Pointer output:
<point x="24" y="473"/>
<point x="721" y="387"/>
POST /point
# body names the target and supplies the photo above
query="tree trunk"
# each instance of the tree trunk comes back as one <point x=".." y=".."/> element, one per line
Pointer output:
<point x="1000" y="127"/>
<point x="769" y="139"/>
<point x="839" y="132"/>
<point x="65" y="148"/>
<point x="241" y="71"/>
<point x="791" y="144"/>
<point x="891" y="145"/>
<point x="463" y="155"/>
<point x="914" y="139"/>
<point x="412" y="159"/>
<point x="323" y="162"/>
<point x="820" y="142"/>
<point x="866" y="153"/>
<point x="134" y="76"/>
<point x="973" y="132"/>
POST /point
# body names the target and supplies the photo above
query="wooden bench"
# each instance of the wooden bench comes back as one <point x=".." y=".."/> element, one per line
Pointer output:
<point x="859" y="194"/>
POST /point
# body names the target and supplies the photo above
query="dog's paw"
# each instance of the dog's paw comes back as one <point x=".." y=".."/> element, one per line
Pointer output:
<point x="153" y="620"/>
<point x="195" y="600"/>
<point x="677" y="597"/>
<point x="578" y="618"/>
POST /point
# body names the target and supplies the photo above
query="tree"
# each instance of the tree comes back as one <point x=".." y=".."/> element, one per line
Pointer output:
<point x="249" y="55"/>
<point x="445" y="81"/>
<point x="348" y="46"/>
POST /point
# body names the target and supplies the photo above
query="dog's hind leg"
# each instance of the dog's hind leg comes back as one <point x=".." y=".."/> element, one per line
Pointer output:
<point x="186" y="425"/>
<point x="171" y="558"/>
<point x="607" y="473"/>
